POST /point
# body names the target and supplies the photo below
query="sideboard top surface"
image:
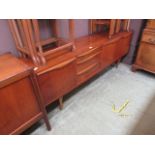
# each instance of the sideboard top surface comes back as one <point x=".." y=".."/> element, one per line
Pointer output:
<point x="83" y="44"/>
<point x="11" y="66"/>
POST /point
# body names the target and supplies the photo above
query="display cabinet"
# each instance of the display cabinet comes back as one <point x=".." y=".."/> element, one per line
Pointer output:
<point x="32" y="44"/>
<point x="112" y="26"/>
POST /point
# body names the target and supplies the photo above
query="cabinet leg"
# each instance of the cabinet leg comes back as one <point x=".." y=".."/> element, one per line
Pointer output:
<point x="40" y="99"/>
<point x="117" y="63"/>
<point x="48" y="126"/>
<point x="61" y="105"/>
<point x="133" y="68"/>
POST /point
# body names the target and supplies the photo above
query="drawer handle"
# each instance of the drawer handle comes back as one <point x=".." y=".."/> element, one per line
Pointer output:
<point x="90" y="57"/>
<point x="87" y="69"/>
<point x="151" y="41"/>
<point x="59" y="66"/>
<point x="86" y="53"/>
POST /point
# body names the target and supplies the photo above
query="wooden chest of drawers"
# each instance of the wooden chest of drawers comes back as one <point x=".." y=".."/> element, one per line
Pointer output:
<point x="21" y="104"/>
<point x="145" y="59"/>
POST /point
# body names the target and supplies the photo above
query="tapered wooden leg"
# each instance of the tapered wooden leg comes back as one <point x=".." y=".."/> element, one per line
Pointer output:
<point x="61" y="105"/>
<point x="117" y="63"/>
<point x="40" y="99"/>
<point x="48" y="126"/>
<point x="133" y="68"/>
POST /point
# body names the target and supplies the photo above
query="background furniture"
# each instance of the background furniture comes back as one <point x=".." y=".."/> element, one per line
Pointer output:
<point x="31" y="44"/>
<point x="91" y="54"/>
<point x="21" y="104"/>
<point x="113" y="26"/>
<point x="145" y="59"/>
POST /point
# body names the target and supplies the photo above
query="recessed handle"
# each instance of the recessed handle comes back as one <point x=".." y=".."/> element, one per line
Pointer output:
<point x="151" y="40"/>
<point x="59" y="66"/>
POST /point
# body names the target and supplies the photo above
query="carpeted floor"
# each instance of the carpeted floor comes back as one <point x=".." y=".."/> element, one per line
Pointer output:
<point x="89" y="109"/>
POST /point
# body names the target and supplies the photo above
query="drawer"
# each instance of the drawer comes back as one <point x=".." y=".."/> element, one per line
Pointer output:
<point x="151" y="23"/>
<point x="149" y="38"/>
<point x="58" y="80"/>
<point x="88" y="72"/>
<point x="92" y="59"/>
<point x="81" y="58"/>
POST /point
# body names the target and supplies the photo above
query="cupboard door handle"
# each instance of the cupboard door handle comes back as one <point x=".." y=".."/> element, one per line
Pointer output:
<point x="150" y="39"/>
<point x="59" y="66"/>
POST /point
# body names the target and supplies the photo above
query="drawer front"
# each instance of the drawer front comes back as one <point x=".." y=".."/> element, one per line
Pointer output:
<point x="93" y="59"/>
<point x="58" y="81"/>
<point x="88" y="72"/>
<point x="18" y="105"/>
<point x="87" y="55"/>
<point x="146" y="56"/>
<point x="148" y="37"/>
<point x="151" y="23"/>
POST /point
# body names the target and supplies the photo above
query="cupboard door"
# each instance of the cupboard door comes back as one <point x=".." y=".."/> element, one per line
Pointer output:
<point x="108" y="55"/>
<point x="126" y="44"/>
<point x="123" y="46"/>
<point x="146" y="56"/>
<point x="18" y="106"/>
<point x="120" y="48"/>
<point x="58" y="80"/>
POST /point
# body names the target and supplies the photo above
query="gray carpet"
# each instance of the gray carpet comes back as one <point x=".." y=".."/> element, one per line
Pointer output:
<point x="89" y="110"/>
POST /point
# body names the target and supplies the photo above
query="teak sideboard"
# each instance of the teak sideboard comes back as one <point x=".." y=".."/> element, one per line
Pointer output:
<point x="69" y="64"/>
<point x="93" y="54"/>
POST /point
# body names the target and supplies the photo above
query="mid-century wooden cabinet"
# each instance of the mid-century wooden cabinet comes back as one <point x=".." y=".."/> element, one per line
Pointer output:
<point x="21" y="104"/>
<point x="70" y="64"/>
<point x="145" y="59"/>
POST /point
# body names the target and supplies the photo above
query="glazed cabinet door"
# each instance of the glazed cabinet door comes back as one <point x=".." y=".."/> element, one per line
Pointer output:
<point x="58" y="80"/>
